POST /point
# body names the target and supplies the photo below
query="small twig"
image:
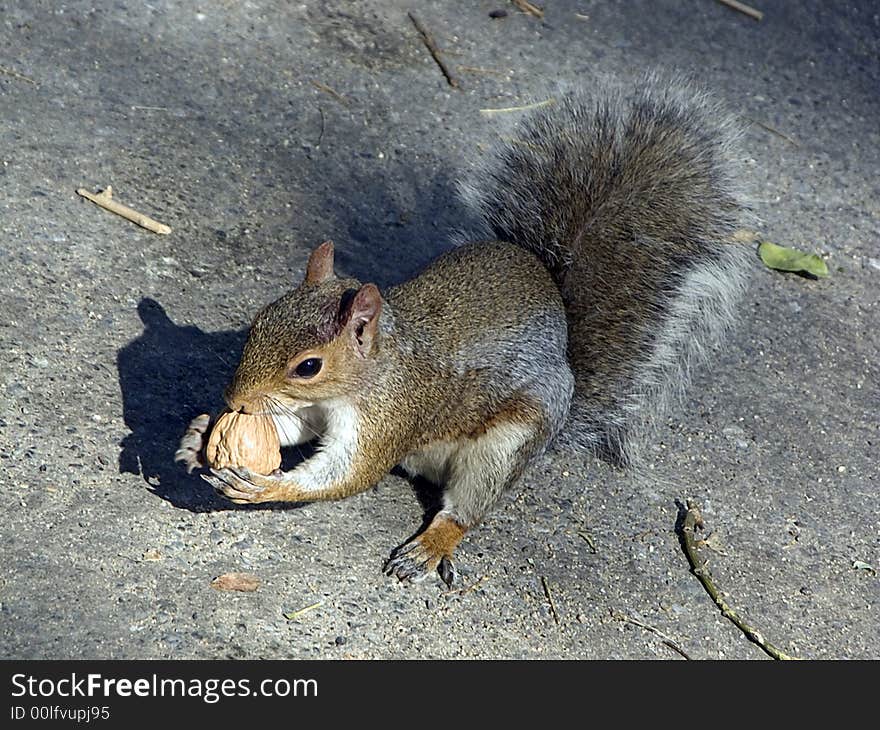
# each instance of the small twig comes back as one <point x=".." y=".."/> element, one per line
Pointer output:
<point x="105" y="200"/>
<point x="693" y="519"/>
<point x="672" y="645"/>
<point x="321" y="135"/>
<point x="428" y="40"/>
<point x="527" y="7"/>
<point x="149" y="108"/>
<point x="581" y="16"/>
<point x="466" y="589"/>
<point x="296" y="614"/>
<point x="328" y="90"/>
<point x="653" y="629"/>
<point x="525" y="107"/>
<point x="549" y="595"/>
<point x="775" y="131"/>
<point x="743" y="8"/>
<point x="589" y="540"/>
<point x="16" y="75"/>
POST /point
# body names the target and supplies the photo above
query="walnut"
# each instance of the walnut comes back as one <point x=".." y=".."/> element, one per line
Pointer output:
<point x="242" y="439"/>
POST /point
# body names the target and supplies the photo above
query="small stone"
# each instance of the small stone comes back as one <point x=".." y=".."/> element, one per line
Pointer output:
<point x="339" y="640"/>
<point x="497" y="14"/>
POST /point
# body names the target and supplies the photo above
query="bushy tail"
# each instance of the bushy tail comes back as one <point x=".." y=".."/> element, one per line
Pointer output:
<point x="630" y="200"/>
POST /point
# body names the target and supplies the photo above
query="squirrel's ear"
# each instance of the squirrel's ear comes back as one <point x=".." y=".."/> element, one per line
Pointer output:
<point x="320" y="266"/>
<point x="359" y="317"/>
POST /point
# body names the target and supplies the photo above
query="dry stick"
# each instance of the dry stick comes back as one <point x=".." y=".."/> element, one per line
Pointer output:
<point x="16" y="75"/>
<point x="550" y="599"/>
<point x="654" y="630"/>
<point x="527" y="7"/>
<point x="428" y="40"/>
<point x="328" y="90"/>
<point x="105" y="200"/>
<point x="693" y="519"/>
<point x="525" y="107"/>
<point x="323" y="123"/>
<point x="585" y="536"/>
<point x="743" y="8"/>
<point x="467" y="589"/>
<point x="296" y="614"/>
<point x="775" y="131"/>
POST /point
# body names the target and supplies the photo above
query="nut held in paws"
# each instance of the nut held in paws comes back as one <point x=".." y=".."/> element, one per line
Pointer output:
<point x="243" y="439"/>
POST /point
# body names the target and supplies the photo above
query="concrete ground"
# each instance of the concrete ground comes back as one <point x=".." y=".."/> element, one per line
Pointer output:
<point x="258" y="129"/>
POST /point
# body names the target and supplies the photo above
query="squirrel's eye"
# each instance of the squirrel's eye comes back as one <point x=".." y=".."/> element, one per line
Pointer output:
<point x="308" y="368"/>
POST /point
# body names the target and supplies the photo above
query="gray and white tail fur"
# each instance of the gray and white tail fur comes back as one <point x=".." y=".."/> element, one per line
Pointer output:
<point x="630" y="200"/>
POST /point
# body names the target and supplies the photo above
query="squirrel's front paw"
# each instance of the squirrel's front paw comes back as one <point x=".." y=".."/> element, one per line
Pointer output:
<point x="244" y="486"/>
<point x="192" y="445"/>
<point x="430" y="551"/>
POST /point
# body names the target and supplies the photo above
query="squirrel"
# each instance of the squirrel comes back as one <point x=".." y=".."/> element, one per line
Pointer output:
<point x="608" y="263"/>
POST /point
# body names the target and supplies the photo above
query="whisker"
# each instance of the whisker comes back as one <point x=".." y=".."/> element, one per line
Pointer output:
<point x="268" y="406"/>
<point x="275" y="407"/>
<point x="280" y="408"/>
<point x="282" y="425"/>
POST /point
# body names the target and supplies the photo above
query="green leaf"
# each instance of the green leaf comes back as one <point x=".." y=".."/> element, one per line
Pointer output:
<point x="862" y="565"/>
<point x="790" y="259"/>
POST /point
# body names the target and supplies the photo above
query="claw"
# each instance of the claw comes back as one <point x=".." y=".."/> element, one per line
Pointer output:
<point x="430" y="551"/>
<point x="447" y="571"/>
<point x="244" y="486"/>
<point x="414" y="562"/>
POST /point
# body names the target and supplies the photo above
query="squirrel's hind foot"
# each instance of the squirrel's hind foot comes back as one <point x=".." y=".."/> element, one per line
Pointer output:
<point x="431" y="550"/>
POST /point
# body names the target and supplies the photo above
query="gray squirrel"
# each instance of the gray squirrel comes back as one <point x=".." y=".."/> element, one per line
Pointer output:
<point x="608" y="263"/>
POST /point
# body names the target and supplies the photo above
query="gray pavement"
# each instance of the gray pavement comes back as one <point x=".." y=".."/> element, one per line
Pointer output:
<point x="218" y="118"/>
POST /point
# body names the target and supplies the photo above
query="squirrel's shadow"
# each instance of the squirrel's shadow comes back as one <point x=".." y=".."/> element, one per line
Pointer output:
<point x="169" y="375"/>
<point x="172" y="373"/>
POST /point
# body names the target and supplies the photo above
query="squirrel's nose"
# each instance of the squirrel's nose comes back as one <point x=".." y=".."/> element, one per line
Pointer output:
<point x="235" y="404"/>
